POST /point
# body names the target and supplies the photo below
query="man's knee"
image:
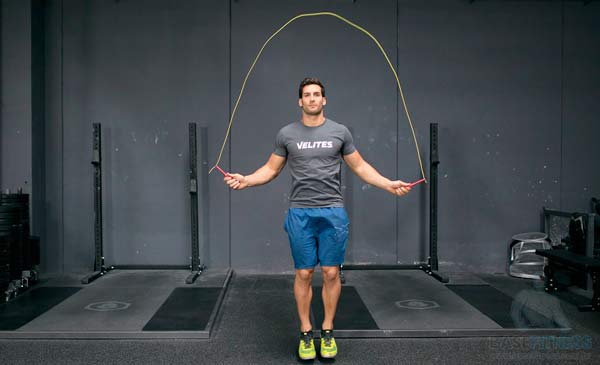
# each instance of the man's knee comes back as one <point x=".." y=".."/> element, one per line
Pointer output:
<point x="330" y="273"/>
<point x="304" y="274"/>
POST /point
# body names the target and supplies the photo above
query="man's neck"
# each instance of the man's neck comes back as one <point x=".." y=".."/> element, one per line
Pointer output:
<point x="313" y="120"/>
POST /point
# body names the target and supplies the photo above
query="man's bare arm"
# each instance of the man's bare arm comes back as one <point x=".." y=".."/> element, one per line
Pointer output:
<point x="263" y="175"/>
<point x="369" y="175"/>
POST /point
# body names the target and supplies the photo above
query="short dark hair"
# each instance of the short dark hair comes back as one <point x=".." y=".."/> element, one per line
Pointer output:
<point x="310" y="81"/>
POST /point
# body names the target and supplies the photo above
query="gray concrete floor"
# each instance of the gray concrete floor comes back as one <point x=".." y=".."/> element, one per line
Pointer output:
<point x="258" y="325"/>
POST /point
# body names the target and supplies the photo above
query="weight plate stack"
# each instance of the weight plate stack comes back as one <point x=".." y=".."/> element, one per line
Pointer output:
<point x="4" y="253"/>
<point x="5" y="243"/>
<point x="5" y="229"/>
<point x="9" y="215"/>
<point x="17" y="259"/>
<point x="4" y="263"/>
<point x="14" y="228"/>
<point x="14" y="209"/>
<point x="14" y="198"/>
<point x="4" y="280"/>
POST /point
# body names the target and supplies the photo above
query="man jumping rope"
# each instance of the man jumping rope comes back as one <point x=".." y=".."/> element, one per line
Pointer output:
<point x="316" y="223"/>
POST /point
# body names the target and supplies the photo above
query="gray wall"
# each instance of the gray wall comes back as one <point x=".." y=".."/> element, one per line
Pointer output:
<point x="580" y="108"/>
<point x="361" y="93"/>
<point x="22" y="137"/>
<point x="492" y="78"/>
<point x="513" y="86"/>
<point x="144" y="71"/>
<point x="15" y="121"/>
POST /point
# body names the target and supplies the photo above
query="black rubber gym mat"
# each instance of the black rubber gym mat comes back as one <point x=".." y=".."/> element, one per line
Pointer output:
<point x="32" y="304"/>
<point x="489" y="301"/>
<point x="351" y="314"/>
<point x="186" y="309"/>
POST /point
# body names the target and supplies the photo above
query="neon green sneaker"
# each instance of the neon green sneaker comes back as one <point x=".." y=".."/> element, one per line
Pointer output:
<point x="328" y="346"/>
<point x="306" y="349"/>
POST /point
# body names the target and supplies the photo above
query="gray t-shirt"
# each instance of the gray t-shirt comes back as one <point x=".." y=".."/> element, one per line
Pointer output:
<point x="314" y="155"/>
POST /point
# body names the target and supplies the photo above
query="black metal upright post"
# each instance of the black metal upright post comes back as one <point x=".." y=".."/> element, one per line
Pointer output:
<point x="195" y="266"/>
<point x="431" y="266"/>
<point x="99" y="267"/>
<point x="433" y="204"/>
<point x="97" y="162"/>
<point x="433" y="195"/>
<point x="203" y="199"/>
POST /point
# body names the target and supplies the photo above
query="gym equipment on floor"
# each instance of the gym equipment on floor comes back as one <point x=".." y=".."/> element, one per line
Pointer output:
<point x="431" y="266"/>
<point x="571" y="261"/>
<point x="19" y="251"/>
<point x="196" y="267"/>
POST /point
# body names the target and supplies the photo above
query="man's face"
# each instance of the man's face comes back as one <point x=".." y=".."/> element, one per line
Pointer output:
<point x="312" y="100"/>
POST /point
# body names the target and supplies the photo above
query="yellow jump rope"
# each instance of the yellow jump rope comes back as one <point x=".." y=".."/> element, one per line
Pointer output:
<point x="325" y="13"/>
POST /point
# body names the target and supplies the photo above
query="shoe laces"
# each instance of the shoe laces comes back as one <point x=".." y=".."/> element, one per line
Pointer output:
<point x="327" y="337"/>
<point x="306" y="337"/>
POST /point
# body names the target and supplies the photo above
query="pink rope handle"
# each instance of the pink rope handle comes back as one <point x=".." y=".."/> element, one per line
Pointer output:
<point x="223" y="172"/>
<point x="415" y="183"/>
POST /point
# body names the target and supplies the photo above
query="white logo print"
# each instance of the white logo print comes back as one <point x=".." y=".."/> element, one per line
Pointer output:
<point x="318" y="144"/>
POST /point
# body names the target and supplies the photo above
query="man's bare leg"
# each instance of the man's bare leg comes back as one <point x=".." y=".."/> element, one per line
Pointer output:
<point x="332" y="288"/>
<point x="303" y="295"/>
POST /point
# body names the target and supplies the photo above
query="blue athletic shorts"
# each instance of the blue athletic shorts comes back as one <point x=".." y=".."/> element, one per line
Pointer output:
<point x="317" y="236"/>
